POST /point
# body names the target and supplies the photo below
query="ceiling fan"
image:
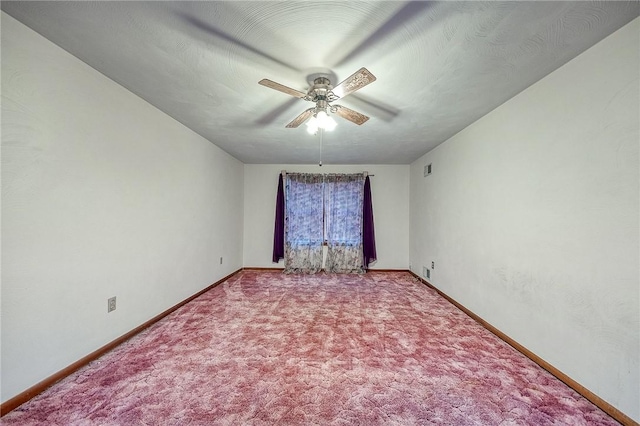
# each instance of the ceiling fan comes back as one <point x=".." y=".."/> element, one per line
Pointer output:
<point x="322" y="93"/>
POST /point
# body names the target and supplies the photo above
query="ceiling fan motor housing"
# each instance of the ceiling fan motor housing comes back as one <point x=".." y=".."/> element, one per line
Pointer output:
<point x="321" y="93"/>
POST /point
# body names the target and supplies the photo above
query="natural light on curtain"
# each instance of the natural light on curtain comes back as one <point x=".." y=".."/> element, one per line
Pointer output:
<point x="343" y="198"/>
<point x="303" y="223"/>
<point x="335" y="209"/>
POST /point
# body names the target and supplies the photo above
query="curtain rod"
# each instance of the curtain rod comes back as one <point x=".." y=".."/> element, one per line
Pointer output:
<point x="365" y="173"/>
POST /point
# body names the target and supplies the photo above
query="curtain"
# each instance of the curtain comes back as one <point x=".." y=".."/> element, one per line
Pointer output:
<point x="278" y="229"/>
<point x="344" y="198"/>
<point x="368" y="232"/>
<point x="303" y="236"/>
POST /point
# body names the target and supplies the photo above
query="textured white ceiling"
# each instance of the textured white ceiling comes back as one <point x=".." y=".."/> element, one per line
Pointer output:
<point x="439" y="65"/>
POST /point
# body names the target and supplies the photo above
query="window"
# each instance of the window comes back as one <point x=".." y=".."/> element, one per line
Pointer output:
<point x="313" y="209"/>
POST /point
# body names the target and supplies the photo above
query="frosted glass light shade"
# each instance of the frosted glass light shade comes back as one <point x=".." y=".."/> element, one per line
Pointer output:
<point x="320" y="120"/>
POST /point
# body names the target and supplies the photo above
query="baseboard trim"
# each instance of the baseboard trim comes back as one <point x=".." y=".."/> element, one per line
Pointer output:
<point x="595" y="399"/>
<point x="38" y="388"/>
<point x="275" y="269"/>
<point x="387" y="270"/>
<point x="262" y="269"/>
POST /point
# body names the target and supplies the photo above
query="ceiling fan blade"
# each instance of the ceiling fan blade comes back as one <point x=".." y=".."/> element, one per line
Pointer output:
<point x="349" y="114"/>
<point x="354" y="82"/>
<point x="281" y="88"/>
<point x="300" y="119"/>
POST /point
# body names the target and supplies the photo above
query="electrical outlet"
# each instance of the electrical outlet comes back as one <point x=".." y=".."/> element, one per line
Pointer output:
<point x="221" y="260"/>
<point x="111" y="304"/>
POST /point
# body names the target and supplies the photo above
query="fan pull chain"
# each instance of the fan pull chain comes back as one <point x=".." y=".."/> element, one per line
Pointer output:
<point x="321" y="131"/>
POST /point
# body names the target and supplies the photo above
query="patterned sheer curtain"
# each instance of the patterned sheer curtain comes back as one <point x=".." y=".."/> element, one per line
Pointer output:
<point x="303" y="236"/>
<point x="344" y="196"/>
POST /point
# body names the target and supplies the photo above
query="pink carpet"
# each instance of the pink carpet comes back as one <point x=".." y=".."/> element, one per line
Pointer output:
<point x="265" y="348"/>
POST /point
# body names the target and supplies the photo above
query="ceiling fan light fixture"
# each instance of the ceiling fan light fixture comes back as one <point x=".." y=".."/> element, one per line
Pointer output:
<point x="325" y="121"/>
<point x="312" y="126"/>
<point x="320" y="120"/>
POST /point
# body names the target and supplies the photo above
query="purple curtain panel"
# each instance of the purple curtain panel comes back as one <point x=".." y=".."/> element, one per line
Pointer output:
<point x="278" y="229"/>
<point x="368" y="233"/>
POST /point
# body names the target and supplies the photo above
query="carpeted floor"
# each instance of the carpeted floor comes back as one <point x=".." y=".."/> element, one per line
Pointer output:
<point x="265" y="348"/>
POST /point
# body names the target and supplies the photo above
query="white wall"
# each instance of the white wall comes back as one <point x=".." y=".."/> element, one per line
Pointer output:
<point x="102" y="195"/>
<point x="389" y="193"/>
<point x="531" y="216"/>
